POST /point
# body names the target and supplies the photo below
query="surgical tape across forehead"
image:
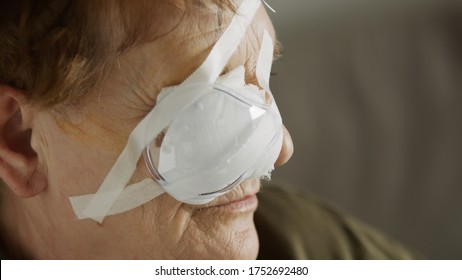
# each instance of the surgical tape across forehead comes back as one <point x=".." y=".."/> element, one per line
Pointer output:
<point x="114" y="196"/>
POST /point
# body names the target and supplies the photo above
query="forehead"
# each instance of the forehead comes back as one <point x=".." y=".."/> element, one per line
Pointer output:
<point x="193" y="29"/>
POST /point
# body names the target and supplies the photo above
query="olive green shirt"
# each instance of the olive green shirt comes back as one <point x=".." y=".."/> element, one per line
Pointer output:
<point x="292" y="224"/>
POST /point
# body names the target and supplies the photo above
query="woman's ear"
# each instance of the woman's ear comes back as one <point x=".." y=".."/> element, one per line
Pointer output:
<point x="18" y="161"/>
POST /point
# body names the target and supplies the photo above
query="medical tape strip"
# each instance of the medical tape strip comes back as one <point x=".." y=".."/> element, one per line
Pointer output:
<point x="118" y="177"/>
<point x="132" y="196"/>
<point x="265" y="61"/>
<point x="225" y="46"/>
<point x="269" y="7"/>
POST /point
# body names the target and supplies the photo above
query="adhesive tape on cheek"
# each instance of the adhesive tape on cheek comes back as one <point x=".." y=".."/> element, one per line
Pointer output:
<point x="132" y="196"/>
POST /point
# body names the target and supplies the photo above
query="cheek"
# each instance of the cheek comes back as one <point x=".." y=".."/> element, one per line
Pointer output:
<point x="165" y="228"/>
<point x="157" y="230"/>
<point x="78" y="171"/>
<point x="72" y="167"/>
<point x="160" y="222"/>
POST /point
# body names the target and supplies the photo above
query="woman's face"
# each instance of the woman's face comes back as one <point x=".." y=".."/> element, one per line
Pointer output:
<point x="76" y="155"/>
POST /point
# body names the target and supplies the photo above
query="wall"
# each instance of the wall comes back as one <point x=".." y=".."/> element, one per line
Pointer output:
<point x="372" y="92"/>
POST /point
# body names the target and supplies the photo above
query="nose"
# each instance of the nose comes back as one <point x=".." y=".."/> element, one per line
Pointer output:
<point x="287" y="148"/>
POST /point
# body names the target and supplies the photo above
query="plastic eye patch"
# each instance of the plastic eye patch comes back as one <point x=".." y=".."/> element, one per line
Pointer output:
<point x="207" y="145"/>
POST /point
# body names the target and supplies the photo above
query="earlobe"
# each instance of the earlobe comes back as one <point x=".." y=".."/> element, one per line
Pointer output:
<point x="18" y="161"/>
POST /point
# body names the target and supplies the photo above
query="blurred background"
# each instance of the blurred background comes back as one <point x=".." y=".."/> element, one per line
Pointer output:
<point x="371" y="92"/>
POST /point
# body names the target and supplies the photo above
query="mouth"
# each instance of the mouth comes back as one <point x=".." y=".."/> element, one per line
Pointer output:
<point x="244" y="205"/>
<point x="242" y="199"/>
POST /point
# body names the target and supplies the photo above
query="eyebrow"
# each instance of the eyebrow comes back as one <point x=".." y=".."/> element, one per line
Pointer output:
<point x="277" y="53"/>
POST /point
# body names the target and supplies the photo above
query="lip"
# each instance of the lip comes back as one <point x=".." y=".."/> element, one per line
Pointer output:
<point x="242" y="199"/>
<point x="246" y="204"/>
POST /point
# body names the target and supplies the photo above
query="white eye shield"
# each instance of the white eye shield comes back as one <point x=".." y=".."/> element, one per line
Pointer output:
<point x="203" y="137"/>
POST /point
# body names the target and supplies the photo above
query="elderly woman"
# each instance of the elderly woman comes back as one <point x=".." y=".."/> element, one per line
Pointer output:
<point x="141" y="129"/>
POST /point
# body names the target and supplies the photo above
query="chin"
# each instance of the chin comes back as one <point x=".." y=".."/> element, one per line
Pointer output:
<point x="243" y="243"/>
<point x="245" y="246"/>
<point x="221" y="235"/>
